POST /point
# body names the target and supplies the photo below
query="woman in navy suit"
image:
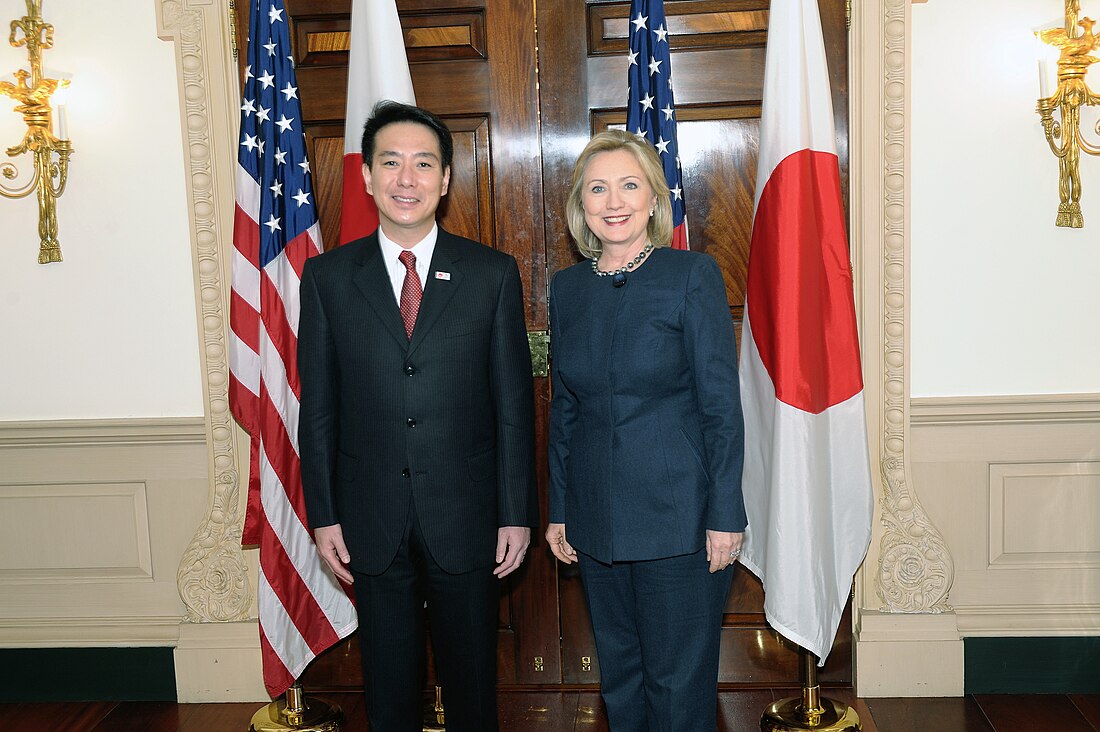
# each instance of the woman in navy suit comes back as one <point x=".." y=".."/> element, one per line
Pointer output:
<point x="646" y="441"/>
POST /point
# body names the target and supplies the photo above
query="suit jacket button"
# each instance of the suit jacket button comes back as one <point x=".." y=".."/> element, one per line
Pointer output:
<point x="405" y="473"/>
<point x="410" y="369"/>
<point x="410" y="422"/>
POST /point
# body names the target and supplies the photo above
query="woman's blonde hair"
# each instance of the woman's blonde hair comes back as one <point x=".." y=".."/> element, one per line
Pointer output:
<point x="660" y="224"/>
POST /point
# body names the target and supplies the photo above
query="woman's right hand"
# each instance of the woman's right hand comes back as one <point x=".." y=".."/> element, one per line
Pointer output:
<point x="555" y="537"/>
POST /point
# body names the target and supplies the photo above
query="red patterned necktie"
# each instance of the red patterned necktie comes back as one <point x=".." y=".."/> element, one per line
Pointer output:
<point x="410" y="292"/>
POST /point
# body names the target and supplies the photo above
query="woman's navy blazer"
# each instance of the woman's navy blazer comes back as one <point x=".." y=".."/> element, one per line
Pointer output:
<point x="646" y="433"/>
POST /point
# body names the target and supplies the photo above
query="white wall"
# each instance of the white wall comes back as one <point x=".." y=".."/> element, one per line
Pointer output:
<point x="111" y="330"/>
<point x="1003" y="302"/>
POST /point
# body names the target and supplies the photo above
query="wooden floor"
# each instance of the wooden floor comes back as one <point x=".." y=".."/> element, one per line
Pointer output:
<point x="581" y="710"/>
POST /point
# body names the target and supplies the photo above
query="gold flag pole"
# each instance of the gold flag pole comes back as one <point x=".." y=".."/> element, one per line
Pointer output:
<point x="295" y="711"/>
<point x="811" y="711"/>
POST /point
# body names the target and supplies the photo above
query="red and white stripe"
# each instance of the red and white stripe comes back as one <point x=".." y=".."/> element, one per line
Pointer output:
<point x="303" y="609"/>
<point x="807" y="479"/>
<point x="377" y="69"/>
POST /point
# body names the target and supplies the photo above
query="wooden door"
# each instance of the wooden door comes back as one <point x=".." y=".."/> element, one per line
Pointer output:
<point x="522" y="85"/>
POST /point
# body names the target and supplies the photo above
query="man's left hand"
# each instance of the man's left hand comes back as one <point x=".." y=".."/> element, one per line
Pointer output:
<point x="512" y="543"/>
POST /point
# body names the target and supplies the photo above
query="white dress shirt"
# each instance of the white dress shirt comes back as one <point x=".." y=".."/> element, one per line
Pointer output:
<point x="423" y="250"/>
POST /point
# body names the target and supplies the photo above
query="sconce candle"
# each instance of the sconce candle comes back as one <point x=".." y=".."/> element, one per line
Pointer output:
<point x="62" y="122"/>
<point x="1044" y="78"/>
<point x="49" y="153"/>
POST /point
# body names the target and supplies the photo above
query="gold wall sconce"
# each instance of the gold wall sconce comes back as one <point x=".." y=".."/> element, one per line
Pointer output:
<point x="1075" y="44"/>
<point x="49" y="152"/>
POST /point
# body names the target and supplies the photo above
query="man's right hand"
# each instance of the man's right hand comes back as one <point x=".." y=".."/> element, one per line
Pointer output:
<point x="331" y="547"/>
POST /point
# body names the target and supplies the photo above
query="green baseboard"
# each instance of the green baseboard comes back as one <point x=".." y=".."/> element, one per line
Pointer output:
<point x="1032" y="665"/>
<point x="87" y="674"/>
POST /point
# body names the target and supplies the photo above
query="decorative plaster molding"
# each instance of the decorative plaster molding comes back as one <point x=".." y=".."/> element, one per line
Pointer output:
<point x="90" y="632"/>
<point x="1028" y="409"/>
<point x="915" y="569"/>
<point x="1029" y="621"/>
<point x="83" y="432"/>
<point x="212" y="576"/>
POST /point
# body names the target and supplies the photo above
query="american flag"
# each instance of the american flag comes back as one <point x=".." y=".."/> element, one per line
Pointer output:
<point x="303" y="609"/>
<point x="651" y="111"/>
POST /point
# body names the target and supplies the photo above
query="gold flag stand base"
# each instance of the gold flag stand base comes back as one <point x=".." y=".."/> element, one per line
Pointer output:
<point x="810" y="711"/>
<point x="434" y="719"/>
<point x="297" y="712"/>
<point x="830" y="715"/>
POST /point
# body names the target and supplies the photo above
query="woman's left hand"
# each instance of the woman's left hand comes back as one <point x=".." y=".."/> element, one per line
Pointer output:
<point x="723" y="548"/>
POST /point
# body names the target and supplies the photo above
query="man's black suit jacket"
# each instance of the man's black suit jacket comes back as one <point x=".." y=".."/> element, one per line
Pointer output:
<point x="444" y="423"/>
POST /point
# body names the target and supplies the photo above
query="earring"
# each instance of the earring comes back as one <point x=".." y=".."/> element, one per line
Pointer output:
<point x="652" y="210"/>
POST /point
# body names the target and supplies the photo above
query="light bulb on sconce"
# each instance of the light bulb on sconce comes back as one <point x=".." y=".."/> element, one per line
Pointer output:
<point x="49" y="151"/>
<point x="1075" y="44"/>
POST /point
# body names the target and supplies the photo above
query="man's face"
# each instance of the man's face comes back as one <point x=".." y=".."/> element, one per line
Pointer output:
<point x="407" y="179"/>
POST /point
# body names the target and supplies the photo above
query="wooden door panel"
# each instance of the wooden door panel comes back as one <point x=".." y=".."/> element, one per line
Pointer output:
<point x="467" y="209"/>
<point x="325" y="147"/>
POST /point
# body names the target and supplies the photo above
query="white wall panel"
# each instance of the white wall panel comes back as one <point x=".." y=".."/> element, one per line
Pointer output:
<point x="74" y="532"/>
<point x="1003" y="302"/>
<point x="111" y="330"/>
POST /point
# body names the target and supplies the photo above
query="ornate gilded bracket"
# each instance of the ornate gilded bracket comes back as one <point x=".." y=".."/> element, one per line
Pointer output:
<point x="49" y="152"/>
<point x="1076" y="43"/>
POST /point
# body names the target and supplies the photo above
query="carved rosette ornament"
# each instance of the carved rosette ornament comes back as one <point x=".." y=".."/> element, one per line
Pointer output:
<point x="213" y="575"/>
<point x="915" y="570"/>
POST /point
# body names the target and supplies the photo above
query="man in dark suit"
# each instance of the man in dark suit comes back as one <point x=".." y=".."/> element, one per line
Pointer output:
<point x="417" y="430"/>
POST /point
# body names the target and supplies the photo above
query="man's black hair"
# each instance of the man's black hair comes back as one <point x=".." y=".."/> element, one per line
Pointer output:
<point x="388" y="112"/>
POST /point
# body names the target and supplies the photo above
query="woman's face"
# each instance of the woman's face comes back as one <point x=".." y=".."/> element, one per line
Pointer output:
<point x="617" y="199"/>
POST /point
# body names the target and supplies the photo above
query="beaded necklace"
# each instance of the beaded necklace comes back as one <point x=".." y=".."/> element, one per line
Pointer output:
<point x="624" y="269"/>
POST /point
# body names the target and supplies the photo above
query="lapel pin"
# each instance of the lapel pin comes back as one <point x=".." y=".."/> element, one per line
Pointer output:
<point x="442" y="275"/>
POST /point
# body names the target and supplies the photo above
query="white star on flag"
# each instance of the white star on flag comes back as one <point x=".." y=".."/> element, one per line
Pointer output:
<point x="284" y="123"/>
<point x="291" y="92"/>
<point x="277" y="189"/>
<point x="267" y="80"/>
<point x="301" y="197"/>
<point x="273" y="224"/>
<point x="274" y="14"/>
<point x="651" y="110"/>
